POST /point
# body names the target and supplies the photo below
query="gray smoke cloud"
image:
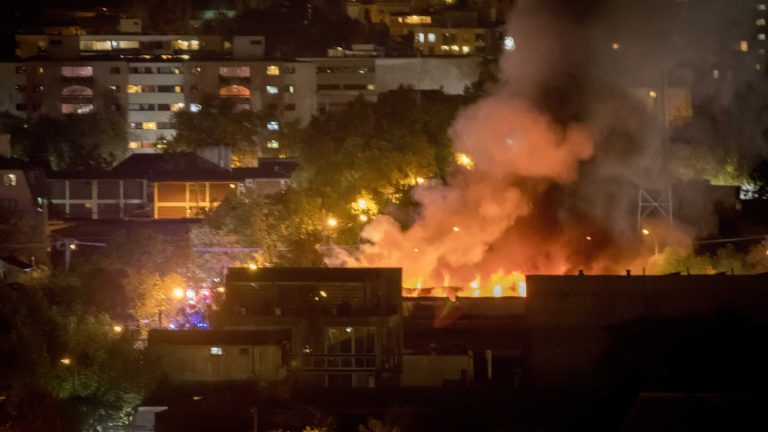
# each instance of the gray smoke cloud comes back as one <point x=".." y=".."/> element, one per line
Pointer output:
<point x="560" y="149"/>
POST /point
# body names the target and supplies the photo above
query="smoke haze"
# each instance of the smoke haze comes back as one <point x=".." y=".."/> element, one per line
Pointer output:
<point x="559" y="150"/>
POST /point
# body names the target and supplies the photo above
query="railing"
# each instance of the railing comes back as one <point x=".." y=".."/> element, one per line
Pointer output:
<point x="337" y="362"/>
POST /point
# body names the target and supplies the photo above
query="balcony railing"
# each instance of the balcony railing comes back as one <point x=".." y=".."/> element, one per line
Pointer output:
<point x="337" y="362"/>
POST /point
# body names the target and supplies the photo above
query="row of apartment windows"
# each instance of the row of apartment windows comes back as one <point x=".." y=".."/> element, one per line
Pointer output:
<point x="346" y="69"/>
<point x="245" y="71"/>
<point x="70" y="71"/>
<point x="110" y="45"/>
<point x="150" y="125"/>
<point x="447" y="38"/>
<point x="143" y="88"/>
<point x="346" y="87"/>
<point x="173" y="70"/>
<point x="240" y="91"/>
<point x="155" y="107"/>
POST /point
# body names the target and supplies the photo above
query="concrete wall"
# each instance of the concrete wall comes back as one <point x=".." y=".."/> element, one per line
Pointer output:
<point x="572" y="319"/>
<point x="436" y="370"/>
<point x="451" y="75"/>
<point x="235" y="363"/>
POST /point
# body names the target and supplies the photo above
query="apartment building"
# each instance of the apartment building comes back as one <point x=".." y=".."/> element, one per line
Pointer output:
<point x="129" y="45"/>
<point x="342" y="79"/>
<point x="154" y="91"/>
<point x="67" y="87"/>
<point x="317" y="327"/>
<point x="284" y="88"/>
<point x="453" y="41"/>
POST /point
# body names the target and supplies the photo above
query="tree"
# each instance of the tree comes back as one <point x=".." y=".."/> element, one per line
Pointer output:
<point x="74" y="141"/>
<point x="62" y="369"/>
<point x="219" y="122"/>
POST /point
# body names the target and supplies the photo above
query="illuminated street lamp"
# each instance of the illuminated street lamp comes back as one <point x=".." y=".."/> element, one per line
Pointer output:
<point x="117" y="328"/>
<point x="655" y="241"/>
<point x="178" y="293"/>
<point x="66" y="361"/>
<point x="363" y="218"/>
<point x="332" y="222"/>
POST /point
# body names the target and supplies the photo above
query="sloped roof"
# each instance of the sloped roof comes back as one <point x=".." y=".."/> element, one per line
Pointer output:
<point x="181" y="166"/>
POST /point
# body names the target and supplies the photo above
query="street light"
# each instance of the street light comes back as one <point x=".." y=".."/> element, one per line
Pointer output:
<point x="655" y="240"/>
<point x="178" y="293"/>
<point x="332" y="222"/>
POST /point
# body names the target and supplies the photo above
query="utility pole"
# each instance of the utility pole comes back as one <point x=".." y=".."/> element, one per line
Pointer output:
<point x="68" y="245"/>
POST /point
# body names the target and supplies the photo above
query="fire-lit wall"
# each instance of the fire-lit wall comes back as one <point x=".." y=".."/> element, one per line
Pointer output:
<point x="179" y="200"/>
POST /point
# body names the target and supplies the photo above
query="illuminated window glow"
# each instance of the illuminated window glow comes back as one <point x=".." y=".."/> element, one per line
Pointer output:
<point x="234" y="91"/>
<point x="77" y="71"/>
<point x="273" y="70"/>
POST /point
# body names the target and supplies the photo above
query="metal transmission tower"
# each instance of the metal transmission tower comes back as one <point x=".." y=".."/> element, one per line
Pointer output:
<point x="652" y="203"/>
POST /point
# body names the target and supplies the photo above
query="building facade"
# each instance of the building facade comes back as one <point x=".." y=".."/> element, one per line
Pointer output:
<point x="342" y="327"/>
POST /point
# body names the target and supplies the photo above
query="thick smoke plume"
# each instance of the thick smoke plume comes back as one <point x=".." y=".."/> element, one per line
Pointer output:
<point x="557" y="154"/>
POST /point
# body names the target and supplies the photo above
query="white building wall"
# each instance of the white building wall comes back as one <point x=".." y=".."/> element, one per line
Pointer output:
<point x="145" y="139"/>
<point x="451" y="75"/>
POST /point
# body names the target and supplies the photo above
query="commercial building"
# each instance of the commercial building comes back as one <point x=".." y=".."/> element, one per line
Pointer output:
<point x="315" y="327"/>
<point x="159" y="186"/>
<point x="595" y="331"/>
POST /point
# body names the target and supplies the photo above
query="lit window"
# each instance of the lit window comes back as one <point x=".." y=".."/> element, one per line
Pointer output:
<point x="715" y="74"/>
<point x="195" y="107"/>
<point x="40" y="70"/>
<point x="235" y="71"/>
<point x="196" y="70"/>
<point x="420" y="37"/>
<point x="273" y="70"/>
<point x="133" y="88"/>
<point x="114" y="88"/>
<point x="761" y="36"/>
<point x="235" y="91"/>
<point x="177" y="106"/>
<point x="509" y="43"/>
<point x="149" y="125"/>
<point x="743" y="46"/>
<point x="465" y="49"/>
<point x="134" y="144"/>
<point x="9" y="179"/>
<point x="217" y="351"/>
<point x="273" y="144"/>
<point x="431" y="37"/>
<point x="272" y="89"/>
<point x="273" y="126"/>
<point x="761" y="6"/>
<point x="77" y="91"/>
<point x="69" y="108"/>
<point x="77" y="71"/>
<point x="289" y="88"/>
<point x="760" y="21"/>
<point x="185" y="45"/>
<point x="371" y="86"/>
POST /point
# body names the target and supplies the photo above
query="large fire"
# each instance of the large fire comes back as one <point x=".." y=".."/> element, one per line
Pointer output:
<point x="539" y="182"/>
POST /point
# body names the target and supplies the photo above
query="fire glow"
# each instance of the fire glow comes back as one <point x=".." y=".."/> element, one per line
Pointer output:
<point x="519" y="198"/>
